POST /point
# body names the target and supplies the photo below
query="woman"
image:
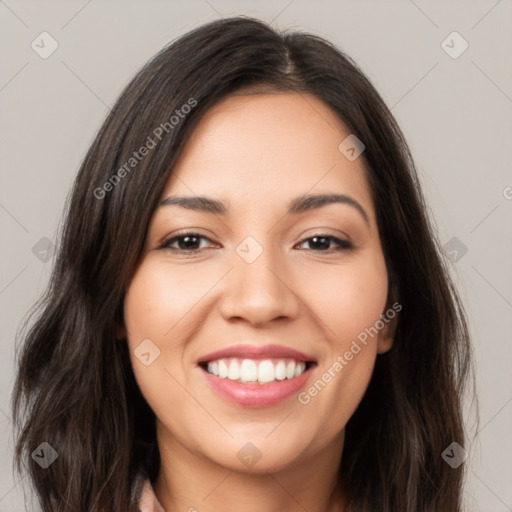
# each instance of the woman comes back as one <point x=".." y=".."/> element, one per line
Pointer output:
<point x="249" y="308"/>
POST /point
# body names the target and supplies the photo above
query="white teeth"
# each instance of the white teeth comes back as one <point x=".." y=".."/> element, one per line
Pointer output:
<point x="234" y="370"/>
<point x="266" y="371"/>
<point x="290" y="370"/>
<point x="280" y="371"/>
<point x="300" y="368"/>
<point x="213" y="368"/>
<point x="248" y="371"/>
<point x="223" y="369"/>
<point x="260" y="371"/>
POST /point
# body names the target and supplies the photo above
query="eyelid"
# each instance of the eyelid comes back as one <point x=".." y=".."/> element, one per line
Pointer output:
<point x="327" y="231"/>
<point x="343" y="244"/>
<point x="185" y="232"/>
<point x="168" y="240"/>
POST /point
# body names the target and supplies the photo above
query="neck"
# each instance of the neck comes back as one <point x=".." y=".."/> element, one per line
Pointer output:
<point x="189" y="482"/>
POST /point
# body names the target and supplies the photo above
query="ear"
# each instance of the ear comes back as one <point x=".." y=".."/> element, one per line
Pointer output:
<point x="386" y="335"/>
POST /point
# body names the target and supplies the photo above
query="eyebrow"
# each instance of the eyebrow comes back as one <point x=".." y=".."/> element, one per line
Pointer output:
<point x="296" y="206"/>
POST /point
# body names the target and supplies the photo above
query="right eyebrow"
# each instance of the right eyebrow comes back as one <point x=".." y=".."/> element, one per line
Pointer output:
<point x="197" y="203"/>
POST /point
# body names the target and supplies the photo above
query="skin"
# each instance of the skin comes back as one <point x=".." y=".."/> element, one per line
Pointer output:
<point x="257" y="153"/>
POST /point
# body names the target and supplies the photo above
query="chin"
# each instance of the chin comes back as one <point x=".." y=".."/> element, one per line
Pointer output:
<point x="255" y="457"/>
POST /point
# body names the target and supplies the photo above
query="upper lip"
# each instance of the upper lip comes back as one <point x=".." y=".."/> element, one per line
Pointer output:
<point x="245" y="351"/>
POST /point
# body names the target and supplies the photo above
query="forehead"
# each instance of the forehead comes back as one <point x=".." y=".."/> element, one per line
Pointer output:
<point x="265" y="148"/>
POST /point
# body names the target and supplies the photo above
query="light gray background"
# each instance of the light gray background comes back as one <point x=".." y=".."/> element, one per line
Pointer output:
<point x="456" y="115"/>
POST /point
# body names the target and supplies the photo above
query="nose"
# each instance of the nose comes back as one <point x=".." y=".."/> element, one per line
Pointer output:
<point x="261" y="291"/>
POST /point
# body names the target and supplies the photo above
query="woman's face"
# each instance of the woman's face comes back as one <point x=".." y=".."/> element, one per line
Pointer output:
<point x="282" y="299"/>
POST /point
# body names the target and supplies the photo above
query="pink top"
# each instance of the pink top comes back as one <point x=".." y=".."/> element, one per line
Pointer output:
<point x="148" y="502"/>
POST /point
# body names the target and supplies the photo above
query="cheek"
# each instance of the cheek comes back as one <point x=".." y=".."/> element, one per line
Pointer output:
<point x="159" y="297"/>
<point x="349" y="303"/>
<point x="350" y="298"/>
<point x="163" y="304"/>
<point x="154" y="303"/>
<point x="151" y="309"/>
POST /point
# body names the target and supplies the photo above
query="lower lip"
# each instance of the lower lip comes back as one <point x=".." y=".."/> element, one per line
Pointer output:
<point x="257" y="395"/>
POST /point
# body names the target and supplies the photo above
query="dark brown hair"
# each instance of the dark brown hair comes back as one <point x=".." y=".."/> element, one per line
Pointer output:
<point x="75" y="388"/>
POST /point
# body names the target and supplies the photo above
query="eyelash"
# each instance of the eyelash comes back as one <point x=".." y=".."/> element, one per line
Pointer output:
<point x="343" y="245"/>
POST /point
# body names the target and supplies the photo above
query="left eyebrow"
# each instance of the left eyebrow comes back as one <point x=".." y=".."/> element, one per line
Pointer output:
<point x="296" y="206"/>
<point x="305" y="203"/>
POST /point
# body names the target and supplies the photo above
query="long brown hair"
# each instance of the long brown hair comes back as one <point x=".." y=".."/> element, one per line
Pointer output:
<point x="75" y="388"/>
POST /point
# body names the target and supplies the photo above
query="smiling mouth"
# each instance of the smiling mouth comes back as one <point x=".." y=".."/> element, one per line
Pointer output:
<point x="256" y="371"/>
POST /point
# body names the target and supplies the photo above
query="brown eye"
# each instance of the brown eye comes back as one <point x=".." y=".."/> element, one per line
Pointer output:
<point x="187" y="243"/>
<point x="322" y="242"/>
